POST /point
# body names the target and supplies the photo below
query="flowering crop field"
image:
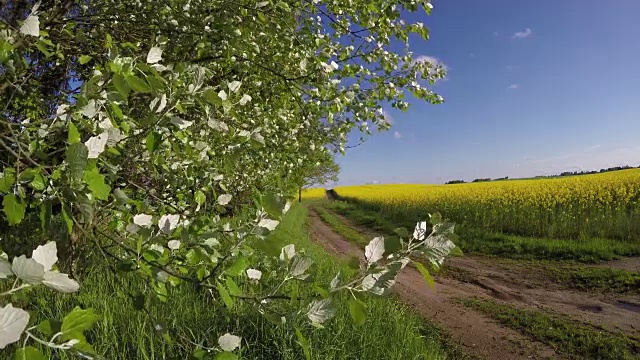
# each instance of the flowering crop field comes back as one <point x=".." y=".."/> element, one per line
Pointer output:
<point x="314" y="193"/>
<point x="603" y="205"/>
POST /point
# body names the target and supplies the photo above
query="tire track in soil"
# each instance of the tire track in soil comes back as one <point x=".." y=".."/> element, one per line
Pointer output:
<point x="477" y="334"/>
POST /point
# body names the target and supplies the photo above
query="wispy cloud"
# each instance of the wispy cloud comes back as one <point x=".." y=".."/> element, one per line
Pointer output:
<point x="397" y="135"/>
<point x="472" y="55"/>
<point x="522" y="34"/>
<point x="510" y="67"/>
<point x="514" y="86"/>
<point x="495" y="34"/>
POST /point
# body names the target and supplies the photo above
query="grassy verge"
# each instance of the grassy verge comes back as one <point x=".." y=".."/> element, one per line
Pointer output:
<point x="501" y="245"/>
<point x="390" y="332"/>
<point x="572" y="338"/>
<point x="597" y="279"/>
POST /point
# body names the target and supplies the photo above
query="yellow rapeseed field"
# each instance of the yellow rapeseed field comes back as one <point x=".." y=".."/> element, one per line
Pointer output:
<point x="601" y="205"/>
<point x="315" y="193"/>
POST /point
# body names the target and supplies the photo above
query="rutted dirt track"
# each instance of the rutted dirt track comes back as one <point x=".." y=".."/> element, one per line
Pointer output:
<point x="515" y="285"/>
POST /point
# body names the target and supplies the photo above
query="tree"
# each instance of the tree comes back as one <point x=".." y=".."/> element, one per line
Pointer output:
<point x="323" y="171"/>
<point x="169" y="134"/>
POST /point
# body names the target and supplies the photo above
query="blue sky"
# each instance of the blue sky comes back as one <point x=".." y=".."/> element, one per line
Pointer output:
<point x="533" y="88"/>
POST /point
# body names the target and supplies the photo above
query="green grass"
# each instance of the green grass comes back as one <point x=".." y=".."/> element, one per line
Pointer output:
<point x="574" y="339"/>
<point x="476" y="241"/>
<point x="390" y="332"/>
<point x="570" y="337"/>
<point x="597" y="279"/>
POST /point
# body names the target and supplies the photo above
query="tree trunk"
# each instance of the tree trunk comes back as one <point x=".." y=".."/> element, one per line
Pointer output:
<point x="300" y="194"/>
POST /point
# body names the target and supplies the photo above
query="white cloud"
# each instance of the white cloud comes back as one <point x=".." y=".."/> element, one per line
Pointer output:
<point x="522" y="34"/>
<point x="397" y="135"/>
<point x="514" y="86"/>
<point x="431" y="59"/>
<point x="495" y="34"/>
<point x="510" y="67"/>
<point x="472" y="55"/>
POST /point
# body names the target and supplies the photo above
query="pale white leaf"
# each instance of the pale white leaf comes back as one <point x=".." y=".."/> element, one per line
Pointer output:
<point x="212" y="242"/>
<point x="61" y="111"/>
<point x="335" y="282"/>
<point x="90" y="110"/>
<point x="262" y="4"/>
<point x="28" y="270"/>
<point x="268" y="224"/>
<point x="168" y="222"/>
<point x="224" y="199"/>
<point x="5" y="269"/>
<point x="320" y="311"/>
<point x="218" y="177"/>
<point x="288" y="252"/>
<point x="143" y="220"/>
<point x="229" y="342"/>
<point x="373" y="252"/>
<point x="180" y="122"/>
<point x="31" y="26"/>
<point x="287" y="206"/>
<point x="173" y="244"/>
<point x="258" y="137"/>
<point x="436" y="248"/>
<point x="420" y="231"/>
<point x="157" y="247"/>
<point x="234" y="86"/>
<point x="254" y="274"/>
<point x="154" y="55"/>
<point x="222" y="95"/>
<point x="300" y="266"/>
<point x="114" y="136"/>
<point x="96" y="144"/>
<point x="61" y="282"/>
<point x="105" y="124"/>
<point x="13" y="321"/>
<point x="132" y="228"/>
<point x="245" y="99"/>
<point x="47" y="255"/>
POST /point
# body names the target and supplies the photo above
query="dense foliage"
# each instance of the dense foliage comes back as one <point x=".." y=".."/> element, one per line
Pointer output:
<point x="167" y="136"/>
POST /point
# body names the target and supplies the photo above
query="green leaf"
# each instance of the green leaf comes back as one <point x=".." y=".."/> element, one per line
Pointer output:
<point x="200" y="198"/>
<point x="224" y="294"/>
<point x="402" y="232"/>
<point x="234" y="290"/>
<point x="78" y="320"/>
<point x="226" y="356"/>
<point x="354" y="263"/>
<point x="28" y="353"/>
<point x="304" y="344"/>
<point x="137" y="84"/>
<point x="456" y="251"/>
<point x="153" y="141"/>
<point x="66" y="216"/>
<point x="211" y="96"/>
<point x="38" y="182"/>
<point x="391" y="244"/>
<point x="49" y="327"/>
<point x="121" y="86"/>
<point x="13" y="209"/>
<point x="358" y="311"/>
<point x="45" y="215"/>
<point x="7" y="179"/>
<point x="273" y="205"/>
<point x="95" y="182"/>
<point x="84" y="59"/>
<point x="238" y="266"/>
<point x="199" y="354"/>
<point x="76" y="157"/>
<point x="73" y="136"/>
<point x="425" y="274"/>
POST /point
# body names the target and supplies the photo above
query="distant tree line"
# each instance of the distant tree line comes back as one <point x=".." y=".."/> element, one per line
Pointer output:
<point x="566" y="173"/>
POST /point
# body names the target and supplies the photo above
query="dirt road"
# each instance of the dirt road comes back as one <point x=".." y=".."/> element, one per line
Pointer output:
<point x="477" y="334"/>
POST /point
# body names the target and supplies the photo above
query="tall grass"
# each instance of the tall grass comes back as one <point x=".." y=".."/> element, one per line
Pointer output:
<point x="170" y="330"/>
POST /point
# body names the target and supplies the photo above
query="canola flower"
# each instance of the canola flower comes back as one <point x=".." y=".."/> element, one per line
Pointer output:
<point x="603" y="205"/>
